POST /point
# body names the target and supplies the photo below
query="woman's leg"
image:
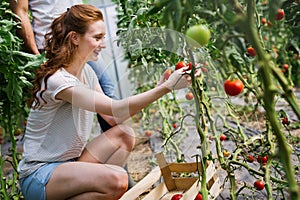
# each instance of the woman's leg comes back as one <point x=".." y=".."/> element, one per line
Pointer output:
<point x="88" y="178"/>
<point x="111" y="147"/>
<point x="74" y="180"/>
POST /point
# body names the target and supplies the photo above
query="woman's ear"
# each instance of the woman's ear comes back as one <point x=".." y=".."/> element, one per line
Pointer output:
<point x="74" y="37"/>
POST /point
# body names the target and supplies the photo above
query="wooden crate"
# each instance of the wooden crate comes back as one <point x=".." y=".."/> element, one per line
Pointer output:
<point x="152" y="187"/>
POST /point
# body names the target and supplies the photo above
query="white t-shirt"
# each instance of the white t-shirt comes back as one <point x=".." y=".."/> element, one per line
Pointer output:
<point x="44" y="12"/>
<point x="58" y="131"/>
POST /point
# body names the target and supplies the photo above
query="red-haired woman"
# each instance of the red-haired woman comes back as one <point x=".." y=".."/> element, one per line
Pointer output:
<point x="58" y="161"/>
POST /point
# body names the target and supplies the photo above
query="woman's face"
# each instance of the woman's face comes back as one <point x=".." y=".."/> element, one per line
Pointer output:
<point x="91" y="43"/>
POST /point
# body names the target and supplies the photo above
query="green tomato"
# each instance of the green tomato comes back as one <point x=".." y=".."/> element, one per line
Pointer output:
<point x="199" y="33"/>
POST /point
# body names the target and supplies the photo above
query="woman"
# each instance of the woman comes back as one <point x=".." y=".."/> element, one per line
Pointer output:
<point x="58" y="163"/>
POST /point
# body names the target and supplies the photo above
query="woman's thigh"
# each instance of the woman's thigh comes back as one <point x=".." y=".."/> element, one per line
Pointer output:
<point x="75" y="178"/>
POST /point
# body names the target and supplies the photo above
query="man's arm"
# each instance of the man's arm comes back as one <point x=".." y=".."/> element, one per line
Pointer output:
<point x="20" y="8"/>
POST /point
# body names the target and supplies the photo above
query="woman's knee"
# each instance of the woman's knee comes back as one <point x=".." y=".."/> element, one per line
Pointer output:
<point x="117" y="181"/>
<point x="125" y="135"/>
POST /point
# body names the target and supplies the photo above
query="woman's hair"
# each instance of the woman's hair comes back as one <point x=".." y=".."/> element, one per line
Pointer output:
<point x="59" y="47"/>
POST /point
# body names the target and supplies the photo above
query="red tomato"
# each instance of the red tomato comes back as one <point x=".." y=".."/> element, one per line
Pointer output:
<point x="190" y="66"/>
<point x="174" y="125"/>
<point x="198" y="197"/>
<point x="279" y="14"/>
<point x="180" y="65"/>
<point x="285" y="121"/>
<point x="176" y="196"/>
<point x="250" y="159"/>
<point x="189" y="96"/>
<point x="251" y="51"/>
<point x="263" y="160"/>
<point x="263" y="21"/>
<point x="285" y="66"/>
<point x="223" y="137"/>
<point x="233" y="87"/>
<point x="167" y="74"/>
<point x="148" y="133"/>
<point x="259" y="185"/>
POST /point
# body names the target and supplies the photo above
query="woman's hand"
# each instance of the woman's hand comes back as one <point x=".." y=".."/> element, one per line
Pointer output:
<point x="178" y="79"/>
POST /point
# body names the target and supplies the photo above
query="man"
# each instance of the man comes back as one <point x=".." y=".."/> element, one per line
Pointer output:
<point x="32" y="32"/>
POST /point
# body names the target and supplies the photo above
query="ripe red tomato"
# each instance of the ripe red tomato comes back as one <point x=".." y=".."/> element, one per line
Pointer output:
<point x="251" y="51"/>
<point x="190" y="64"/>
<point x="279" y="14"/>
<point x="174" y="125"/>
<point x="263" y="160"/>
<point x="198" y="197"/>
<point x="167" y="74"/>
<point x="148" y="133"/>
<point x="189" y="95"/>
<point x="176" y="196"/>
<point x="199" y="33"/>
<point x="285" y="121"/>
<point x="250" y="159"/>
<point x="263" y="21"/>
<point x="223" y="137"/>
<point x="180" y="65"/>
<point x="285" y="66"/>
<point x="259" y="185"/>
<point x="233" y="87"/>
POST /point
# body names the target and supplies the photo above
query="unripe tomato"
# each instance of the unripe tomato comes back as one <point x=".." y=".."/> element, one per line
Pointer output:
<point x="180" y="65"/>
<point x="259" y="185"/>
<point x="279" y="14"/>
<point x="17" y="132"/>
<point x="233" y="87"/>
<point x="199" y="33"/>
<point x="226" y="153"/>
<point x="176" y="196"/>
<point x="198" y="197"/>
<point x="189" y="95"/>
<point x="251" y="51"/>
<point x="223" y="137"/>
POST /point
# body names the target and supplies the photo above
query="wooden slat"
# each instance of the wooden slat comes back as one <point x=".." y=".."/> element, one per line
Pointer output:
<point x="185" y="183"/>
<point x="185" y="167"/>
<point x="166" y="172"/>
<point x="192" y="192"/>
<point x="157" y="192"/>
<point x="143" y="185"/>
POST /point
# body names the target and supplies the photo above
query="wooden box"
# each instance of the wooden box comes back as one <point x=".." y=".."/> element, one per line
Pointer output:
<point x="162" y="184"/>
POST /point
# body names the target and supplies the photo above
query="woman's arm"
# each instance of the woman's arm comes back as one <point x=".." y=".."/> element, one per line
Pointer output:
<point x="20" y="8"/>
<point x="121" y="109"/>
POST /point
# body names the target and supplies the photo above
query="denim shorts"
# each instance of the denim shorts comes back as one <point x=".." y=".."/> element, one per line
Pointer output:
<point x="34" y="186"/>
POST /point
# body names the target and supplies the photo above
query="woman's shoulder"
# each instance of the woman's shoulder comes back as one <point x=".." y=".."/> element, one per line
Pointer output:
<point x="61" y="77"/>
